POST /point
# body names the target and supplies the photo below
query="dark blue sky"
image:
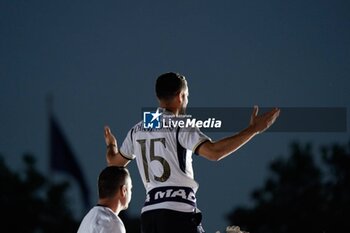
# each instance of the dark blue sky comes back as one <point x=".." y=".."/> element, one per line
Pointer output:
<point x="99" y="59"/>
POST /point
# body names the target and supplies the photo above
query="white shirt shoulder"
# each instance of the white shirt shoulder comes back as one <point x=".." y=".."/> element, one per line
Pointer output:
<point x="101" y="220"/>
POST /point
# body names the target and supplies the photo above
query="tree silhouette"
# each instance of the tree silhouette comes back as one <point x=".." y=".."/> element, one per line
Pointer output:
<point x="337" y="186"/>
<point x="30" y="203"/>
<point x="301" y="195"/>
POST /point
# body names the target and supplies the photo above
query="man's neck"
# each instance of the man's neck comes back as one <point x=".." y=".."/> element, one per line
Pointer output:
<point x="170" y="108"/>
<point x="109" y="204"/>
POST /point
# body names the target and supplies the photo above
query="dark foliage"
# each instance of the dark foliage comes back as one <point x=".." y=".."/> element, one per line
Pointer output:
<point x="301" y="195"/>
<point x="30" y="203"/>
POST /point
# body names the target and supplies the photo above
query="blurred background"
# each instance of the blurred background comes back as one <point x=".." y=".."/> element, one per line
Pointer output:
<point x="68" y="68"/>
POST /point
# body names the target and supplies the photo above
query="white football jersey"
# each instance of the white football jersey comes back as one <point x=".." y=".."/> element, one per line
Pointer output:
<point x="101" y="220"/>
<point x="164" y="160"/>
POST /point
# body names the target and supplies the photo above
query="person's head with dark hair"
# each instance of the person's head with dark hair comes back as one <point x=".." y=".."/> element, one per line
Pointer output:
<point x="114" y="188"/>
<point x="172" y="92"/>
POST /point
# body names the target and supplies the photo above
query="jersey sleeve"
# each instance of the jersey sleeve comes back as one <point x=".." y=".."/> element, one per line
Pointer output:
<point x="127" y="148"/>
<point x="191" y="138"/>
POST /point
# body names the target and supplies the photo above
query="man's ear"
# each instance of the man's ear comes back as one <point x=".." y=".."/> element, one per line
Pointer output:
<point x="123" y="190"/>
<point x="179" y="97"/>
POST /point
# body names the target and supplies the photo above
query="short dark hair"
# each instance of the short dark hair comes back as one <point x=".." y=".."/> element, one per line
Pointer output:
<point x="110" y="180"/>
<point x="169" y="85"/>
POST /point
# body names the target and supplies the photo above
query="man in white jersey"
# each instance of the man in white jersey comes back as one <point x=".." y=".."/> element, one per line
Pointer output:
<point x="164" y="159"/>
<point x="114" y="190"/>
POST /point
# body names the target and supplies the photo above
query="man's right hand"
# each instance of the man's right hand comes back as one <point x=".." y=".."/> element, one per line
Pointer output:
<point x="109" y="137"/>
<point x="113" y="156"/>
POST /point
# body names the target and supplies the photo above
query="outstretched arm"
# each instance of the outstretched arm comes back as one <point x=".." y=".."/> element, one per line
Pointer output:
<point x="223" y="147"/>
<point x="113" y="156"/>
